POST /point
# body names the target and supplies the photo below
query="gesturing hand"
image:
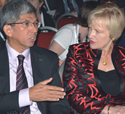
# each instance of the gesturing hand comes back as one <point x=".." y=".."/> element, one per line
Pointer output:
<point x="44" y="92"/>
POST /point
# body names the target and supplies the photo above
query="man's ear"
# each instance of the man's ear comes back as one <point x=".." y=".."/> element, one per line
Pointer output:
<point x="8" y="30"/>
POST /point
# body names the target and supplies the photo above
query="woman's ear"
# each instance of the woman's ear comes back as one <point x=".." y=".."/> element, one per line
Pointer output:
<point x="8" y="30"/>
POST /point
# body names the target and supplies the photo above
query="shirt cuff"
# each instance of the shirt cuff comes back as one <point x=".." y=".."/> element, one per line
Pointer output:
<point x="24" y="99"/>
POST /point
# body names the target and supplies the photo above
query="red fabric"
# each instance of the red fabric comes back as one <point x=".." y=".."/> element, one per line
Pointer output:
<point x="81" y="80"/>
<point x="44" y="39"/>
<point x="66" y="20"/>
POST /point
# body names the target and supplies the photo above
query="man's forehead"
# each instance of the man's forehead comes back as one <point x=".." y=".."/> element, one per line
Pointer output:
<point x="28" y="16"/>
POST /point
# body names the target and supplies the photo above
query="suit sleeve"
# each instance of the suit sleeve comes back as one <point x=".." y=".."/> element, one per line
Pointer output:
<point x="9" y="102"/>
<point x="61" y="107"/>
<point x="80" y="89"/>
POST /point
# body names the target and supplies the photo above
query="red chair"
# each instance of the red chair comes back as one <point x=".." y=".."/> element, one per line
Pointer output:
<point x="65" y="19"/>
<point x="45" y="36"/>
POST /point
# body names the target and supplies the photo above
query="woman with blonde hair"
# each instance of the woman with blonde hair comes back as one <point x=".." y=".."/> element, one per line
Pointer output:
<point x="94" y="73"/>
<point x="72" y="33"/>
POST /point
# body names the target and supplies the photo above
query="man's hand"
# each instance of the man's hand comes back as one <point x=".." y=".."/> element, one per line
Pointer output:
<point x="44" y="92"/>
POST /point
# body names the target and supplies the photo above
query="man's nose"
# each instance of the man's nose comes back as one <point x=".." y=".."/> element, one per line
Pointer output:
<point x="34" y="28"/>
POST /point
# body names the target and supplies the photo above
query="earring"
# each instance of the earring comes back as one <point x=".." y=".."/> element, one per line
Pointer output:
<point x="113" y="39"/>
<point x="87" y="38"/>
<point x="79" y="40"/>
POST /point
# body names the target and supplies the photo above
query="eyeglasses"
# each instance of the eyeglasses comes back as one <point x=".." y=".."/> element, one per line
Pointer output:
<point x="27" y="24"/>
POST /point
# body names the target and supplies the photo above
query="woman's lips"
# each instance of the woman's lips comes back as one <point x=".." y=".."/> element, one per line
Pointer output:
<point x="91" y="42"/>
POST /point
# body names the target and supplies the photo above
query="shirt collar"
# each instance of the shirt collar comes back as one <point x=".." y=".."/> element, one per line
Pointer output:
<point x="13" y="53"/>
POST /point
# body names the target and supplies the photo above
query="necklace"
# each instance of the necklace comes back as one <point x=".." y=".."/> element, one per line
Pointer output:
<point x="104" y="62"/>
<point x="79" y="40"/>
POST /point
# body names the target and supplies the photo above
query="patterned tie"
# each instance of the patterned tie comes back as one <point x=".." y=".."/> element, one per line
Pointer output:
<point x="21" y="81"/>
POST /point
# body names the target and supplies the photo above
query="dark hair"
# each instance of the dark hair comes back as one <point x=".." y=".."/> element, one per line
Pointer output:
<point x="84" y="11"/>
<point x="13" y="9"/>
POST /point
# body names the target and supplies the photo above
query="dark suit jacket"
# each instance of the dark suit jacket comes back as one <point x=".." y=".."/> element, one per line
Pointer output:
<point x="48" y="20"/>
<point x="82" y="82"/>
<point x="55" y="5"/>
<point x="1" y="41"/>
<point x="44" y="65"/>
<point x="80" y="3"/>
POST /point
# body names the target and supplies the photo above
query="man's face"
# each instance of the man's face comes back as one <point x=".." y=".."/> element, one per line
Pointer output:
<point x="23" y="35"/>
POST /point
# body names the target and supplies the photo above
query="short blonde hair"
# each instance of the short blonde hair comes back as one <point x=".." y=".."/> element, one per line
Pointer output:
<point x="112" y="16"/>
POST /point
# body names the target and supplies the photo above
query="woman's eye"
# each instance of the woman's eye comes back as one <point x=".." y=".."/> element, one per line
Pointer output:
<point x="98" y="31"/>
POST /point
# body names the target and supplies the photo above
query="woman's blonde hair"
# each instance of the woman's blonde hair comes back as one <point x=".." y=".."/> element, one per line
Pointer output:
<point x="112" y="16"/>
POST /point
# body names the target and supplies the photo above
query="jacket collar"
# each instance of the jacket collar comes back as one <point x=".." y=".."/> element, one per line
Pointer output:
<point x="118" y="55"/>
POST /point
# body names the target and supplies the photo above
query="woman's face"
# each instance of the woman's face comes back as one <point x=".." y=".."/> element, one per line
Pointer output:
<point x="99" y="36"/>
<point x="2" y="3"/>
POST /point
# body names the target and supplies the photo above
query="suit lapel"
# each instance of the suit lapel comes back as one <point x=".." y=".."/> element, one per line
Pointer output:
<point x="37" y="68"/>
<point x="37" y="65"/>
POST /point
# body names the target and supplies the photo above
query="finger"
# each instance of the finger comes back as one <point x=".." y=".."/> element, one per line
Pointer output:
<point x="47" y="81"/>
<point x="54" y="88"/>
<point x="53" y="98"/>
<point x="57" y="96"/>
<point x="56" y="93"/>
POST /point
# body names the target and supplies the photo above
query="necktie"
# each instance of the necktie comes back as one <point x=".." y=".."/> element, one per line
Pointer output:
<point x="21" y="81"/>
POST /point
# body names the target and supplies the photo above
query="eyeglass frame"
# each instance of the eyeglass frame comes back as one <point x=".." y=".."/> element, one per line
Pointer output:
<point x="26" y="21"/>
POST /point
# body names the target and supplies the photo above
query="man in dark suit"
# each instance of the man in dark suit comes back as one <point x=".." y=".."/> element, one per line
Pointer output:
<point x="43" y="17"/>
<point x="36" y="75"/>
<point x="57" y="5"/>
